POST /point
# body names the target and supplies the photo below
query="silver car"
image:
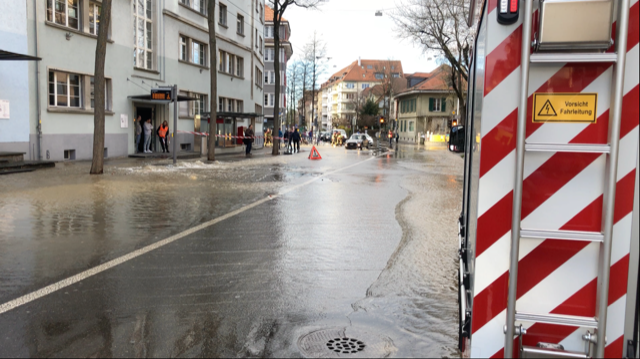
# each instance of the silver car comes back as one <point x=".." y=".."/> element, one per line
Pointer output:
<point x="359" y="141"/>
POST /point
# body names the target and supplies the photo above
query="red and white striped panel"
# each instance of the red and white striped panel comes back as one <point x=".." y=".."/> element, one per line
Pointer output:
<point x="560" y="191"/>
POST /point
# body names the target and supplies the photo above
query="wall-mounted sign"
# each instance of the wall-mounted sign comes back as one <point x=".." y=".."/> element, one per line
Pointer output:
<point x="4" y="109"/>
<point x="124" y="121"/>
<point x="161" y="94"/>
<point x="565" y="107"/>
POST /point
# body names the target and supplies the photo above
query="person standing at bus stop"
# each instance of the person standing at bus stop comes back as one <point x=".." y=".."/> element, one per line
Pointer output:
<point x="148" y="128"/>
<point x="163" y="132"/>
<point x="248" y="140"/>
<point x="138" y="132"/>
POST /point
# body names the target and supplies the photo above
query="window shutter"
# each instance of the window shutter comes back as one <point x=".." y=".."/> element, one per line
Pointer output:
<point x="444" y="105"/>
<point x="431" y="104"/>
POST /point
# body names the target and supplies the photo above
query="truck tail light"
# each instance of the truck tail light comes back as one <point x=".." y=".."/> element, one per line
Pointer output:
<point x="508" y="12"/>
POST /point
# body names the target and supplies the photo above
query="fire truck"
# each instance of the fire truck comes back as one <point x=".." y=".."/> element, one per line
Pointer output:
<point x="548" y="233"/>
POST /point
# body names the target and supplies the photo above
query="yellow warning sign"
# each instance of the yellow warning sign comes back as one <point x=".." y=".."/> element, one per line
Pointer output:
<point x="565" y="107"/>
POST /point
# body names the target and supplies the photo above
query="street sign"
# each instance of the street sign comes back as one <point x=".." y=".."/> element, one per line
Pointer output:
<point x="161" y="94"/>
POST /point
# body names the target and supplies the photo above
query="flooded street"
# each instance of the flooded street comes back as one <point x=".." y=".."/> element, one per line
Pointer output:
<point x="357" y="244"/>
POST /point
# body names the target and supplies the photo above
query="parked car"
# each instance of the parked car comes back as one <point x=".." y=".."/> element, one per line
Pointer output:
<point x="359" y="141"/>
<point x="325" y="136"/>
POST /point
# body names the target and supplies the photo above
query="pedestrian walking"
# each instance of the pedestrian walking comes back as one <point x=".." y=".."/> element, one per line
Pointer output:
<point x="163" y="134"/>
<point x="148" y="128"/>
<point x="311" y="136"/>
<point x="138" y="132"/>
<point x="390" y="139"/>
<point x="296" y="141"/>
<point x="397" y="138"/>
<point x="248" y="141"/>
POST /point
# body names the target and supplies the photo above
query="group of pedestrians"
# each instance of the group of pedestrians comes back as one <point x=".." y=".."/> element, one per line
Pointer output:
<point x="292" y="140"/>
<point x="146" y="129"/>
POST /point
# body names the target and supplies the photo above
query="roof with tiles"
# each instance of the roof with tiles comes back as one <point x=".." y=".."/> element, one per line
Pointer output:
<point x="269" y="13"/>
<point x="438" y="80"/>
<point x="366" y="71"/>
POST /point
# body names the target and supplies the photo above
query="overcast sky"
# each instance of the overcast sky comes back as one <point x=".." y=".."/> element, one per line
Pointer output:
<point x="351" y="29"/>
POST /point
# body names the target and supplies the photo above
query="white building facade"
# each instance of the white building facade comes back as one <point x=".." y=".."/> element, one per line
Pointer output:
<point x="169" y="42"/>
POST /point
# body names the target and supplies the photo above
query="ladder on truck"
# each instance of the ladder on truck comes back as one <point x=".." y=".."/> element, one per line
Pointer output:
<point x="598" y="323"/>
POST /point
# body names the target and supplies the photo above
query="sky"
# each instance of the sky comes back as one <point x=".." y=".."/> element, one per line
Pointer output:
<point x="350" y="30"/>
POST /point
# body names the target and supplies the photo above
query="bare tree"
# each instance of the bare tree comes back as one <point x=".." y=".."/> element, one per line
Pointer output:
<point x="97" y="163"/>
<point x="314" y="51"/>
<point x="303" y="76"/>
<point x="392" y="82"/>
<point x="440" y="27"/>
<point x="213" y="73"/>
<point x="279" y="8"/>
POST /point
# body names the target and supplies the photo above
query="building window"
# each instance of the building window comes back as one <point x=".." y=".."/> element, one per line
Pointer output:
<point x="231" y="64"/>
<point x="256" y="38"/>
<point x="350" y="85"/>
<point x="269" y="54"/>
<point x="239" y="66"/>
<point x="258" y="77"/>
<point x="239" y="106"/>
<point x="436" y="105"/>
<point x="411" y="126"/>
<point x="199" y="105"/>
<point x="268" y="32"/>
<point x="268" y="100"/>
<point x="369" y="67"/>
<point x="379" y="76"/>
<point x="230" y="105"/>
<point x="64" y="89"/>
<point x="199" y="53"/>
<point x="197" y="5"/>
<point x="142" y="34"/>
<point x="282" y="59"/>
<point x="261" y="13"/>
<point x="183" y="48"/>
<point x="365" y="86"/>
<point x="94" y="18"/>
<point x="64" y="12"/>
<point x="222" y="19"/>
<point x="107" y="82"/>
<point x="261" y="45"/>
<point x="240" y="24"/>
<point x="220" y="104"/>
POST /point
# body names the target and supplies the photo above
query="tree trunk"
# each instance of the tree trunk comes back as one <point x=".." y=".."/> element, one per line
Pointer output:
<point x="213" y="73"/>
<point x="276" y="42"/>
<point x="97" y="164"/>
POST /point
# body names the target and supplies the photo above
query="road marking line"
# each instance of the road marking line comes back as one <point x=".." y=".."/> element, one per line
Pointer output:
<point x="27" y="298"/>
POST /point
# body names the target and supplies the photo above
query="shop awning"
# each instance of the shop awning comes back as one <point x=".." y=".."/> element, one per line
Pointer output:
<point x="148" y="99"/>
<point x="12" y="56"/>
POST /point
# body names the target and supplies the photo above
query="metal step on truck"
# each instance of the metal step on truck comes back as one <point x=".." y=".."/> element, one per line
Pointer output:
<point x="549" y="227"/>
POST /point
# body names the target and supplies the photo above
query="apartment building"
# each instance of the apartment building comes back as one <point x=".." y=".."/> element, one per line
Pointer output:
<point x="286" y="51"/>
<point x="341" y="91"/>
<point x="14" y="78"/>
<point x="169" y="41"/>
<point x="427" y="107"/>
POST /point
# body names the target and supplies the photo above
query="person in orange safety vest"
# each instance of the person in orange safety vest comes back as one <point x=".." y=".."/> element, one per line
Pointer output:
<point x="163" y="134"/>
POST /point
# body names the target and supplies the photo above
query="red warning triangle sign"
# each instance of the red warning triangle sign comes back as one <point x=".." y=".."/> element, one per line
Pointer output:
<point x="314" y="155"/>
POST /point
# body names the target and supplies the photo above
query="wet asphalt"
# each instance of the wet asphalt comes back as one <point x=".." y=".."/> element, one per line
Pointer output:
<point x="370" y="247"/>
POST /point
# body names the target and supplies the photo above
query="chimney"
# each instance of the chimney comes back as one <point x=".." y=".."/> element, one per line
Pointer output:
<point x="359" y="62"/>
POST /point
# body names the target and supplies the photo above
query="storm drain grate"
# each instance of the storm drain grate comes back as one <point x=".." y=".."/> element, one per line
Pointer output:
<point x="345" y="345"/>
<point x="345" y="342"/>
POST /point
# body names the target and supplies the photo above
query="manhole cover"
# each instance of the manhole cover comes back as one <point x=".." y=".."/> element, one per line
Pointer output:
<point x="344" y="343"/>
